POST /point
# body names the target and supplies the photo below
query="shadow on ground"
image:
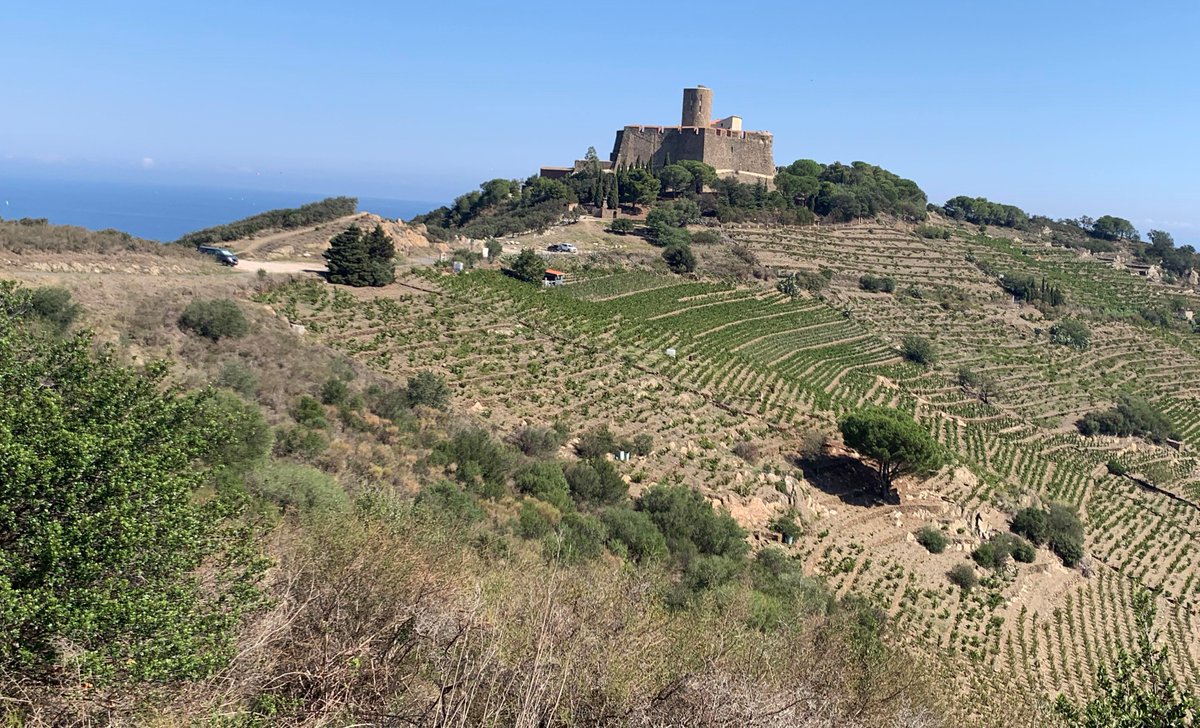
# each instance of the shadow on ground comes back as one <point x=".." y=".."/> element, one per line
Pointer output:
<point x="847" y="478"/>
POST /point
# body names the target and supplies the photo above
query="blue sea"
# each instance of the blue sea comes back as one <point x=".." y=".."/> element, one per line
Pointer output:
<point x="162" y="212"/>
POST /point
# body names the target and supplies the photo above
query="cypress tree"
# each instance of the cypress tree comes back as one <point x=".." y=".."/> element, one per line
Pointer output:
<point x="381" y="251"/>
<point x="348" y="259"/>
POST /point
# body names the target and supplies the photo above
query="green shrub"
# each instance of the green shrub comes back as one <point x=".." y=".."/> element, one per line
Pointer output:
<point x="309" y="412"/>
<point x="481" y="463"/>
<point x="642" y="444"/>
<point x="1033" y="524"/>
<point x="622" y="226"/>
<point x="1116" y="468"/>
<point x="536" y="441"/>
<point x="706" y="237"/>
<point x="580" y="538"/>
<point x="1023" y="551"/>
<point x="238" y="377"/>
<point x="877" y="284"/>
<point x="299" y="441"/>
<point x="639" y="538"/>
<point x="292" y="486"/>
<point x="1072" y="333"/>
<point x="786" y="526"/>
<point x="991" y="555"/>
<point x="1133" y="416"/>
<point x="240" y="436"/>
<point x="690" y="525"/>
<point x="932" y="539"/>
<point x="536" y="519"/>
<point x="546" y="481"/>
<point x="963" y="576"/>
<point x="427" y="389"/>
<point x="54" y="307"/>
<point x="596" y="480"/>
<point x="1065" y="533"/>
<point x="679" y="257"/>
<point x="596" y="442"/>
<point x="919" y="350"/>
<point x="215" y="319"/>
<point x="334" y="391"/>
<point x="445" y="500"/>
<point x="388" y="403"/>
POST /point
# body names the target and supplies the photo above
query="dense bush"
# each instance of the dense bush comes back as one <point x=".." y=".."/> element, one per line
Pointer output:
<point x="932" y="539"/>
<point x="300" y="441"/>
<point x="918" y="350"/>
<point x="54" y="307"/>
<point x="1027" y="288"/>
<point x="840" y="193"/>
<point x="238" y="377"/>
<point x="877" y="284"/>
<point x="309" y="412"/>
<point x="334" y="391"/>
<point x="690" y="525"/>
<point x="1065" y="533"/>
<point x="597" y="442"/>
<point x="963" y="576"/>
<point x="480" y="462"/>
<point x="680" y="258"/>
<point x="633" y="534"/>
<point x="103" y="537"/>
<point x="292" y="486"/>
<point x="427" y="389"/>
<point x="580" y="538"/>
<point x="812" y="281"/>
<point x="501" y="207"/>
<point x="546" y="481"/>
<point x="445" y="500"/>
<point x="596" y="480"/>
<point x="216" y="319"/>
<point x="308" y="215"/>
<point x="1072" y="333"/>
<point x="996" y="551"/>
<point x="1133" y="416"/>
<point x="622" y="226"/>
<point x="528" y="266"/>
<point x="1032" y="523"/>
<point x="246" y="437"/>
<point x="536" y="441"/>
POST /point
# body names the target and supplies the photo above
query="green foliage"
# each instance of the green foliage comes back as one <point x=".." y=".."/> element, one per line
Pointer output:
<point x="703" y="175"/>
<point x="580" y="538"/>
<point x="546" y="481"/>
<point x="1032" y="523"/>
<point x="680" y="258"/>
<point x="642" y="444"/>
<point x="980" y="211"/>
<point x="633" y="534"/>
<point x="54" y="307"/>
<point x="782" y="594"/>
<point x="427" y="389"/>
<point x="238" y="377"/>
<point x="675" y="178"/>
<point x="528" y="266"/>
<point x="103" y="536"/>
<point x="785" y="525"/>
<point x="706" y="237"/>
<point x="932" y="232"/>
<point x="245" y="438"/>
<point x="1065" y="533"/>
<point x="894" y="441"/>
<point x="996" y="551"/>
<point x="216" y="319"/>
<point x="300" y="441"/>
<point x="1071" y="332"/>
<point x="676" y="213"/>
<point x="1132" y="417"/>
<point x="918" y="350"/>
<point x="481" y="463"/>
<point x="500" y="207"/>
<point x="334" y="391"/>
<point x="877" y="284"/>
<point x="308" y="215"/>
<point x="596" y="480"/>
<point x="932" y="539"/>
<point x="963" y="576"/>
<point x="1027" y="288"/>
<point x="812" y="281"/>
<point x="622" y="226"/>
<point x="1108" y="227"/>
<point x="1137" y="690"/>
<point x="690" y="525"/>
<point x="494" y="248"/>
<point x="637" y="186"/>
<point x="840" y="193"/>
<point x="355" y="259"/>
<point x="536" y="519"/>
<point x="1116" y="468"/>
<point x="300" y="488"/>
<point x="983" y="386"/>
<point x="536" y="441"/>
<point x="388" y="402"/>
<point x="446" y="501"/>
<point x="596" y="442"/>
<point x="309" y="412"/>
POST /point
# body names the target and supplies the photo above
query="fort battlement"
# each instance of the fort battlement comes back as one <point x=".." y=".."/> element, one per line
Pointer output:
<point x="744" y="155"/>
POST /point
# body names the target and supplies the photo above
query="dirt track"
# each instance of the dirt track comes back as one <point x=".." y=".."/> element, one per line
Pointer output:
<point x="278" y="266"/>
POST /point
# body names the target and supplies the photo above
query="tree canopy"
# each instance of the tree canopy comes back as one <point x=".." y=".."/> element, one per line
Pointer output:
<point x="895" y="441"/>
<point x="355" y="259"/>
<point x="331" y="208"/>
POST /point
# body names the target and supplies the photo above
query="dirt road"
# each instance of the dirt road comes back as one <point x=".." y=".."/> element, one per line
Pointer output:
<point x="278" y="266"/>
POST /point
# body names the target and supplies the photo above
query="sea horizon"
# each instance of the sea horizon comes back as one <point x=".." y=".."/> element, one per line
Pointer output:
<point x="164" y="212"/>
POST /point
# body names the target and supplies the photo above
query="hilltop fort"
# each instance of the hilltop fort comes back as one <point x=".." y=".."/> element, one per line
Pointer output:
<point x="733" y="152"/>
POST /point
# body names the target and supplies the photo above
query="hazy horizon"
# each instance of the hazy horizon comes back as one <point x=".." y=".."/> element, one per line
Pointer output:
<point x="1064" y="110"/>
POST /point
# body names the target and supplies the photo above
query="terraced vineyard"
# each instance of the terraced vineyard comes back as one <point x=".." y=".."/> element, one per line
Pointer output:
<point x="702" y="365"/>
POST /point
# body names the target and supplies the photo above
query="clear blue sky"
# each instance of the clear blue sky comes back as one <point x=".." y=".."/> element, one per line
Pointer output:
<point x="1061" y="107"/>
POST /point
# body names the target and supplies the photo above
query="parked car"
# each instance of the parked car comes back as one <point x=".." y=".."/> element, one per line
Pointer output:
<point x="562" y="248"/>
<point x="223" y="255"/>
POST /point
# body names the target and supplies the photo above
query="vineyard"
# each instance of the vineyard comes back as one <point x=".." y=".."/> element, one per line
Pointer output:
<point x="703" y="365"/>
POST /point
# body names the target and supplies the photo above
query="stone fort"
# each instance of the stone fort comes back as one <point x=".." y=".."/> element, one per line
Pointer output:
<point x="746" y="156"/>
<point x="722" y="144"/>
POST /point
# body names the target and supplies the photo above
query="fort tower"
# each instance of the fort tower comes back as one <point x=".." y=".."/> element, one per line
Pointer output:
<point x="697" y="106"/>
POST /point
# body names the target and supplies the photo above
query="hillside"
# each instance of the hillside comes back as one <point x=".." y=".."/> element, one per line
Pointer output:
<point x="437" y="527"/>
<point x="310" y="242"/>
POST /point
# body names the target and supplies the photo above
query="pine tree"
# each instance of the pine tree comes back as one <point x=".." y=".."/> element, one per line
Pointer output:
<point x="381" y="251"/>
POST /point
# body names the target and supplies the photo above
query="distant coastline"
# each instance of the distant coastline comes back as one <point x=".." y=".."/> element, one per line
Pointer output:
<point x="162" y="212"/>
